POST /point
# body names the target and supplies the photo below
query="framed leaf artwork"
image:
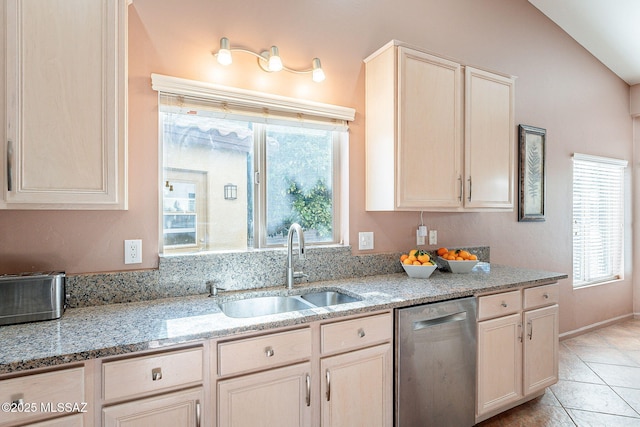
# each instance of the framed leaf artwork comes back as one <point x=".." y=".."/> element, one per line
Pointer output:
<point x="531" y="202"/>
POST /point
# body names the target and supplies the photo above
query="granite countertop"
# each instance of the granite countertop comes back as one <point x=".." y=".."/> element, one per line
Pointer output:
<point x="93" y="332"/>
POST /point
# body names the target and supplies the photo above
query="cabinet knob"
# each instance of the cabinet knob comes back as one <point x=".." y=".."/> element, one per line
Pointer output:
<point x="504" y="304"/>
<point x="269" y="352"/>
<point x="361" y="333"/>
<point x="545" y="296"/>
<point x="156" y="374"/>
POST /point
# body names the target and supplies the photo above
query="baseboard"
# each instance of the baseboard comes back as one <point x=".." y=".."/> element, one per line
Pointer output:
<point x="598" y="325"/>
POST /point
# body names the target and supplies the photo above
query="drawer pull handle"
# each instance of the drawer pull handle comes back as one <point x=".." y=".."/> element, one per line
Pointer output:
<point x="504" y="304"/>
<point x="520" y="332"/>
<point x="328" y="376"/>
<point x="156" y="374"/>
<point x="198" y="414"/>
<point x="361" y="333"/>
<point x="545" y="296"/>
<point x="269" y="352"/>
<point x="308" y="380"/>
<point x="530" y="324"/>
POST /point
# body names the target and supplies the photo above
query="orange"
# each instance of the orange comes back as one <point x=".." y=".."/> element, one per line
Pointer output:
<point x="403" y="257"/>
<point x="442" y="251"/>
<point x="413" y="252"/>
<point x="473" y="257"/>
<point x="459" y="258"/>
<point x="424" y="258"/>
<point x="463" y="254"/>
<point x="407" y="261"/>
<point x="417" y="262"/>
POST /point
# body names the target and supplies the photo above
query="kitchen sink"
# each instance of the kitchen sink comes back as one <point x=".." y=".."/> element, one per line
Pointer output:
<point x="326" y="298"/>
<point x="263" y="306"/>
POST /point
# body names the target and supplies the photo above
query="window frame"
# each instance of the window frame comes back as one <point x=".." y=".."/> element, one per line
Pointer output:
<point x="597" y="163"/>
<point x="259" y="108"/>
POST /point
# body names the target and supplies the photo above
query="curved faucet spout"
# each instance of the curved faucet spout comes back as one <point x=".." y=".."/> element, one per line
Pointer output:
<point x="295" y="228"/>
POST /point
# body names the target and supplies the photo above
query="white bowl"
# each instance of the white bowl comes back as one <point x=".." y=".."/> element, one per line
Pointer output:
<point x="459" y="266"/>
<point x="419" y="271"/>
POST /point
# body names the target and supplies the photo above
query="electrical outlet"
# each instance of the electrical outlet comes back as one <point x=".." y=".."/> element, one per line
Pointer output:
<point x="433" y="237"/>
<point x="420" y="240"/>
<point x="365" y="240"/>
<point x="133" y="251"/>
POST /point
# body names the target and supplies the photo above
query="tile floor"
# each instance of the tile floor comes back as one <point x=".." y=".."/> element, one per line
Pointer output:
<point x="599" y="384"/>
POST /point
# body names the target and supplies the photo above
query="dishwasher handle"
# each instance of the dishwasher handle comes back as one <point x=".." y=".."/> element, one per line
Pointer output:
<point x="427" y="323"/>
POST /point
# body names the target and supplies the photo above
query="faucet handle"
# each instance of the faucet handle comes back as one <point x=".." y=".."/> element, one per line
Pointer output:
<point x="299" y="275"/>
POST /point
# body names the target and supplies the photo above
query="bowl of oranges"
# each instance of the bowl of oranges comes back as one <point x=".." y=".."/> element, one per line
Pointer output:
<point x="418" y="264"/>
<point x="457" y="260"/>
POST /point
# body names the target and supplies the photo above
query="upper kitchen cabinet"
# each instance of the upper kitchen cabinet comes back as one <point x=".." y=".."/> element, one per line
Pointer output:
<point x="439" y="136"/>
<point x="66" y="77"/>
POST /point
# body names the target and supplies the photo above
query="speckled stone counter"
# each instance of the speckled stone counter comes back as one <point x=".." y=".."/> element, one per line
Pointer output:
<point x="93" y="332"/>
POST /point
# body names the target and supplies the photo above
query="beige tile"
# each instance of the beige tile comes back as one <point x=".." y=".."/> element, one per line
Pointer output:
<point x="630" y="395"/>
<point x="596" y="419"/>
<point x="624" y="343"/>
<point x="633" y="355"/>
<point x="571" y="367"/>
<point x="615" y="375"/>
<point x="609" y="355"/>
<point x="529" y="415"/>
<point x="590" y="338"/>
<point x="591" y="397"/>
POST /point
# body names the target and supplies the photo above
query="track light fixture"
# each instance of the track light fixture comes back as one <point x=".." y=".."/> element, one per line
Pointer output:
<point x="269" y="61"/>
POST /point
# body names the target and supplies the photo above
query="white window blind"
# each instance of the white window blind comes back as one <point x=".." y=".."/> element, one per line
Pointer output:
<point x="598" y="219"/>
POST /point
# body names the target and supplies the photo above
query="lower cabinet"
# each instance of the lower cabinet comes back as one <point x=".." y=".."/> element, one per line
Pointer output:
<point x="183" y="408"/>
<point x="335" y="374"/>
<point x="517" y="347"/>
<point x="355" y="390"/>
<point x="30" y="398"/>
<point x="277" y="397"/>
<point x="164" y="389"/>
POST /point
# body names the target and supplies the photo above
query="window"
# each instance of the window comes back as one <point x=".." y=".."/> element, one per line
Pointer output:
<point x="598" y="219"/>
<point x="237" y="174"/>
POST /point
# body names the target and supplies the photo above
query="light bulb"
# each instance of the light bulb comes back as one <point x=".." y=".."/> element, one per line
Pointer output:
<point x="224" y="54"/>
<point x="317" y="74"/>
<point x="275" y="63"/>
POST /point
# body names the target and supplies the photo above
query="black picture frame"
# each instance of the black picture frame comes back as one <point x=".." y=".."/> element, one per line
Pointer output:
<point x="532" y="157"/>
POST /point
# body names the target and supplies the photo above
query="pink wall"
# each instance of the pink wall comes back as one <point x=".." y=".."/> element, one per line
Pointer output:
<point x="560" y="87"/>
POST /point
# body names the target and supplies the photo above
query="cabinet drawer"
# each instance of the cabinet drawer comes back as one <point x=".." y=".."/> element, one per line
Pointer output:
<point x="35" y="392"/>
<point x="356" y="333"/>
<point x="146" y="374"/>
<point x="264" y="352"/>
<point x="499" y="304"/>
<point x="541" y="296"/>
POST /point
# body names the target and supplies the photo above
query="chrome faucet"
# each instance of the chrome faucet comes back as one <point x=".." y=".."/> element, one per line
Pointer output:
<point x="295" y="227"/>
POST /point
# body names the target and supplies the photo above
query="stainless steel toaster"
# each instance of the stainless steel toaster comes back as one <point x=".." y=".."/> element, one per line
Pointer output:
<point x="31" y="297"/>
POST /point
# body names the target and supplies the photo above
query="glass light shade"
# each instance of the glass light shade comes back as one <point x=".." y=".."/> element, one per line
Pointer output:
<point x="317" y="73"/>
<point x="224" y="54"/>
<point x="275" y="63"/>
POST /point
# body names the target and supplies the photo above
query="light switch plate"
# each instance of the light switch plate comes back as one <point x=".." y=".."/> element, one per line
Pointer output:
<point x="433" y="237"/>
<point x="365" y="240"/>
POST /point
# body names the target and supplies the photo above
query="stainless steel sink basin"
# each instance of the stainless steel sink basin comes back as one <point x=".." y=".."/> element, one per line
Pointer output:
<point x="326" y="298"/>
<point x="262" y="306"/>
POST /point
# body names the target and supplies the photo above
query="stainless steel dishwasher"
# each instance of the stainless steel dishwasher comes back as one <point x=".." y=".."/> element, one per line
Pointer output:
<point x="435" y="354"/>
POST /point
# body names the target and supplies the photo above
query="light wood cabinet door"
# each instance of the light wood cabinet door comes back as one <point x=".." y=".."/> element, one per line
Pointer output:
<point x="499" y="362"/>
<point x="277" y="397"/>
<point x="540" y="348"/>
<point x="357" y="388"/>
<point x="65" y="145"/>
<point x="489" y="140"/>
<point x="414" y="130"/>
<point x="182" y="408"/>
<point x="429" y="131"/>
